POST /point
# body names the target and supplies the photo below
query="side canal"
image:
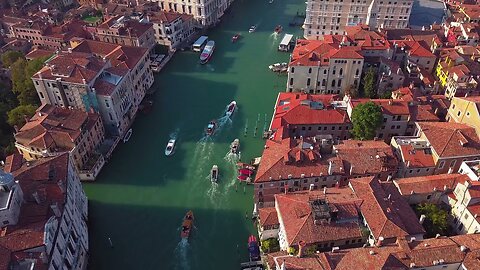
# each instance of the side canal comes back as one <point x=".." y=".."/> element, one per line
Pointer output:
<point x="141" y="196"/>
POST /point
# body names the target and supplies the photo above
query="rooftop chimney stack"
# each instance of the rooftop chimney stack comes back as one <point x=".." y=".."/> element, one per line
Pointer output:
<point x="301" y="246"/>
<point x="422" y="219"/>
<point x="312" y="187"/>
<point x="380" y="241"/>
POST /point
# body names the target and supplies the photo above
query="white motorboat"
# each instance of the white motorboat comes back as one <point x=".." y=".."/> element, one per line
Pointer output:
<point x="170" y="147"/>
<point x="207" y="52"/>
<point x="231" y="108"/>
<point x="214" y="174"/>
<point x="127" y="136"/>
<point x="252" y="29"/>
<point x="234" y="146"/>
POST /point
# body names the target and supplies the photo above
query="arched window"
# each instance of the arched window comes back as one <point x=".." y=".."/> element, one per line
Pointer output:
<point x="356" y="72"/>
<point x="333" y="71"/>
<point x="341" y="71"/>
<point x="310" y="70"/>
<point x="339" y="82"/>
<point x="324" y="82"/>
<point x="292" y="69"/>
<point x="333" y="83"/>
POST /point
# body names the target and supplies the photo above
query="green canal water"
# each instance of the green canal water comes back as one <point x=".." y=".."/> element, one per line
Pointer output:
<point x="139" y="199"/>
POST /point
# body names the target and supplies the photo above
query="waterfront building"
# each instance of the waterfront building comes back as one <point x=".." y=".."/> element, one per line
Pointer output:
<point x="205" y="12"/>
<point x="428" y="189"/>
<point x="109" y="79"/>
<point x="171" y="28"/>
<point x="306" y="115"/>
<point x="385" y="213"/>
<point x="321" y="67"/>
<point x="51" y="232"/>
<point x="454" y="252"/>
<point x="331" y="17"/>
<point x="126" y="32"/>
<point x="319" y="219"/>
<point x="54" y="130"/>
<point x="268" y="224"/>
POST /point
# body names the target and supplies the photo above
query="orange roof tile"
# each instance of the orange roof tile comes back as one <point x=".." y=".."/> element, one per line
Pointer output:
<point x="427" y="184"/>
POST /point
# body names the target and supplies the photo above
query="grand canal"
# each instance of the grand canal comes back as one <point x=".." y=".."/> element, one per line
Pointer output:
<point x="141" y="196"/>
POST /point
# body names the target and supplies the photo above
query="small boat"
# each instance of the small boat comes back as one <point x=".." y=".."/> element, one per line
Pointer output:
<point x="252" y="29"/>
<point x="214" y="173"/>
<point x="127" y="136"/>
<point x="253" y="249"/>
<point x="187" y="224"/>
<point x="246" y="172"/>
<point x="211" y="127"/>
<point x="270" y="2"/>
<point x="231" y="108"/>
<point x="170" y="147"/>
<point x="278" y="29"/>
<point x="207" y="52"/>
<point x="235" y="38"/>
<point x="234" y="146"/>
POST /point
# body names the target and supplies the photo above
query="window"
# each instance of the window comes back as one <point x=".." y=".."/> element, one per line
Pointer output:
<point x="41" y="95"/>
<point x="341" y="71"/>
<point x="291" y="81"/>
<point x="459" y="112"/>
<point x="357" y="72"/>
<point x="339" y="83"/>
<point x="324" y="82"/>
<point x="310" y="70"/>
<point x="441" y="165"/>
<point x="308" y="82"/>
<point x="428" y="197"/>
<point x="333" y="83"/>
<point x="292" y="69"/>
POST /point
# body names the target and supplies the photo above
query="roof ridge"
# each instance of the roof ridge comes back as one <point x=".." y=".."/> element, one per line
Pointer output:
<point x="301" y="227"/>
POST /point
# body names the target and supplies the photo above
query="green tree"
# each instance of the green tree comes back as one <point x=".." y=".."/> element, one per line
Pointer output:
<point x="22" y="72"/>
<point x="366" y="118"/>
<point x="270" y="245"/>
<point x="351" y="91"/>
<point x="16" y="117"/>
<point x="387" y="95"/>
<point x="436" y="219"/>
<point x="10" y="57"/>
<point x="369" y="84"/>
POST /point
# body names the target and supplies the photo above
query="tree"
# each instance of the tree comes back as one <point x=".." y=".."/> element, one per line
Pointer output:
<point x="16" y="117"/>
<point x="351" y="91"/>
<point x="436" y="219"/>
<point x="10" y="57"/>
<point x="366" y="118"/>
<point x="386" y="95"/>
<point x="369" y="84"/>
<point x="22" y="72"/>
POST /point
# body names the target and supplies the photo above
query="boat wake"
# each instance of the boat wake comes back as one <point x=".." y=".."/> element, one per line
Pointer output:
<point x="181" y="255"/>
<point x="232" y="160"/>
<point x="174" y="135"/>
<point x="213" y="192"/>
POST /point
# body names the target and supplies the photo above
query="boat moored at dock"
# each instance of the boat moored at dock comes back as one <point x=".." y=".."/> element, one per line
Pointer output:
<point x="253" y="249"/>
<point x="187" y="225"/>
<point x="127" y="135"/>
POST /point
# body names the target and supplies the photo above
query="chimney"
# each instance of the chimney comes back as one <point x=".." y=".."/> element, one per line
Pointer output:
<point x="422" y="219"/>
<point x="389" y="198"/>
<point x="372" y="252"/>
<point x="380" y="241"/>
<point x="412" y="239"/>
<point x="324" y="190"/>
<point x="351" y="169"/>
<point x="412" y="265"/>
<point x="301" y="246"/>
<point x="389" y="178"/>
<point x="56" y="210"/>
<point x="330" y="167"/>
<point x="408" y="163"/>
<point x="69" y="50"/>
<point x="390" y="102"/>
<point x="450" y="170"/>
<point x="286" y="188"/>
<point x="335" y="249"/>
<point x="463" y="248"/>
<point x="312" y="187"/>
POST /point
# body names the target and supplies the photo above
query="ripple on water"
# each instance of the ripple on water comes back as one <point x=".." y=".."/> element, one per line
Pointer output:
<point x="181" y="255"/>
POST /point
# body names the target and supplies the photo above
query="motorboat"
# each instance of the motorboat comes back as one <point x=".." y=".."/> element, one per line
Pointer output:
<point x="278" y="67"/>
<point x="246" y="172"/>
<point x="211" y="128"/>
<point x="187" y="224"/>
<point x="253" y="249"/>
<point x="278" y="29"/>
<point x="170" y="147"/>
<point x="231" y="108"/>
<point x="207" y="52"/>
<point x="235" y="38"/>
<point x="234" y="146"/>
<point x="127" y="136"/>
<point x="214" y="174"/>
<point x="252" y="29"/>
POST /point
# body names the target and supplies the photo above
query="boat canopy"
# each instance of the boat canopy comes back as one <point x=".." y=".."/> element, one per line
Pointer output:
<point x="286" y="39"/>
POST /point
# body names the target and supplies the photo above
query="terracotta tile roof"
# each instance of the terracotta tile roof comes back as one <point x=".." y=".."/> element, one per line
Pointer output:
<point x="13" y="162"/>
<point x="423" y="113"/>
<point x="305" y="114"/>
<point x="120" y="56"/>
<point x="366" y="157"/>
<point x="167" y="17"/>
<point x="427" y="184"/>
<point x="54" y="127"/>
<point x="319" y="52"/>
<point x="416" y="158"/>
<point x="37" y="53"/>
<point x="71" y="67"/>
<point x="268" y="216"/>
<point x="389" y="106"/>
<point x="385" y="217"/>
<point x="451" y="139"/>
<point x="293" y="157"/>
<point x="299" y="220"/>
<point x="127" y="27"/>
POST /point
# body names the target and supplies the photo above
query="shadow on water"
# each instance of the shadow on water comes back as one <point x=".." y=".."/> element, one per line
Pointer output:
<point x="139" y="230"/>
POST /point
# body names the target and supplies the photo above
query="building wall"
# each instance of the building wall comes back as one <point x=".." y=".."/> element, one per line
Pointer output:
<point x="10" y="214"/>
<point x="393" y="125"/>
<point x="389" y="14"/>
<point x="335" y="78"/>
<point x="340" y="131"/>
<point x="464" y="221"/>
<point x="267" y="233"/>
<point x="205" y="12"/>
<point x="418" y="198"/>
<point x="111" y="35"/>
<point x="174" y="33"/>
<point x="265" y="191"/>
<point x="425" y="62"/>
<point x="464" y="111"/>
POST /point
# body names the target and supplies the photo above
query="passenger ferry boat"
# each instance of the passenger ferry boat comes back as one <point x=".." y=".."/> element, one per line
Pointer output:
<point x="187" y="224"/>
<point x="207" y="52"/>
